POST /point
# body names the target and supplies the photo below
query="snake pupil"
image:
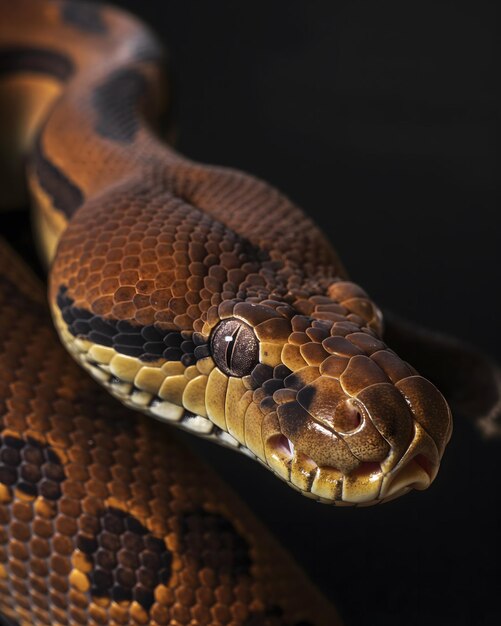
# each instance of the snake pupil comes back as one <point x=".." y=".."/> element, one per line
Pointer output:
<point x="230" y="345"/>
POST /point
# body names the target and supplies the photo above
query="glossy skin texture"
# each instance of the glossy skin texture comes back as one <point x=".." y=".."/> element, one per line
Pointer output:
<point x="104" y="517"/>
<point x="201" y="295"/>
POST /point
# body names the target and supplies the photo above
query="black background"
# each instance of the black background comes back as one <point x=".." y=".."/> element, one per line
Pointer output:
<point x="378" y="119"/>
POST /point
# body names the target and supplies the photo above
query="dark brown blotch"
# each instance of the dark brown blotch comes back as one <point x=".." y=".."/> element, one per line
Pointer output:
<point x="116" y="103"/>
<point x="30" y="466"/>
<point x="66" y="196"/>
<point x="212" y="541"/>
<point x="128" y="562"/>
<point x="37" y="60"/>
<point x="147" y="343"/>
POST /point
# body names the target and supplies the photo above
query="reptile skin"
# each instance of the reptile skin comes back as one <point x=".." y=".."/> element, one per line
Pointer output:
<point x="105" y="518"/>
<point x="201" y="295"/>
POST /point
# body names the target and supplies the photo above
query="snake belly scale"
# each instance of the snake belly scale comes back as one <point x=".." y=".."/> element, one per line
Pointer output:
<point x="198" y="294"/>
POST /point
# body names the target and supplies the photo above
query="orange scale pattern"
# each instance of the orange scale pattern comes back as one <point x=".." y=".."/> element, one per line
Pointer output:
<point x="105" y="518"/>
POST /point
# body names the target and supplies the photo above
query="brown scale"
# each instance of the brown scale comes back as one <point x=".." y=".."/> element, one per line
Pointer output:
<point x="105" y="517"/>
<point x="158" y="255"/>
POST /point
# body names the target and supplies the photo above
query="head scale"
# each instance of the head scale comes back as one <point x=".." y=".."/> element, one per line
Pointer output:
<point x="312" y="391"/>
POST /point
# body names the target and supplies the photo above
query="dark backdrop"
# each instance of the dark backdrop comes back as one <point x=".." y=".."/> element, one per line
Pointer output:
<point x="379" y="119"/>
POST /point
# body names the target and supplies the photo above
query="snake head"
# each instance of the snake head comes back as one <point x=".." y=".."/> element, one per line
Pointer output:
<point x="314" y="393"/>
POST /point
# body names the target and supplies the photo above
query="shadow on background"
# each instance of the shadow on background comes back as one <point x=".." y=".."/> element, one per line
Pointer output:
<point x="379" y="120"/>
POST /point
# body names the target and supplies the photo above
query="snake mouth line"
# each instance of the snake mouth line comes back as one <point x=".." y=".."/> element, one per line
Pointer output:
<point x="368" y="484"/>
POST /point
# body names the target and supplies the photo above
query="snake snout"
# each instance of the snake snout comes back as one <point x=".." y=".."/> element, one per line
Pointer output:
<point x="382" y="441"/>
<point x="415" y="420"/>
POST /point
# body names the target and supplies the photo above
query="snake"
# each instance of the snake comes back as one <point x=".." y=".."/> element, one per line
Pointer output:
<point x="196" y="294"/>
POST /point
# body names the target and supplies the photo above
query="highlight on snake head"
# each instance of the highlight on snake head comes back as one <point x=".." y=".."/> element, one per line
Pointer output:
<point x="307" y="388"/>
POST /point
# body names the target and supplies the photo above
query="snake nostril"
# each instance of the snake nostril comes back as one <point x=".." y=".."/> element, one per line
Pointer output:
<point x="347" y="416"/>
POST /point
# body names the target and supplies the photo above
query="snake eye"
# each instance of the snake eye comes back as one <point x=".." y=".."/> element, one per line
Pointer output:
<point x="235" y="348"/>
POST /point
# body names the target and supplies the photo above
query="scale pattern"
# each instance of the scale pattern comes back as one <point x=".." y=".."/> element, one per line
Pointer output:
<point x="164" y="250"/>
<point x="105" y="517"/>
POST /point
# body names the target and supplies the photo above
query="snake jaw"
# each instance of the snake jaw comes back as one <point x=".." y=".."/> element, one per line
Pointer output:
<point x="369" y="483"/>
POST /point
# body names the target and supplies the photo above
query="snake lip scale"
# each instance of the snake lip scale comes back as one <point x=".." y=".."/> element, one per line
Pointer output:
<point x="201" y="295"/>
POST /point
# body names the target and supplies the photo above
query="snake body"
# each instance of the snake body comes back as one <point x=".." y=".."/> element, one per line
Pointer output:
<point x="104" y="517"/>
<point x="197" y="294"/>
